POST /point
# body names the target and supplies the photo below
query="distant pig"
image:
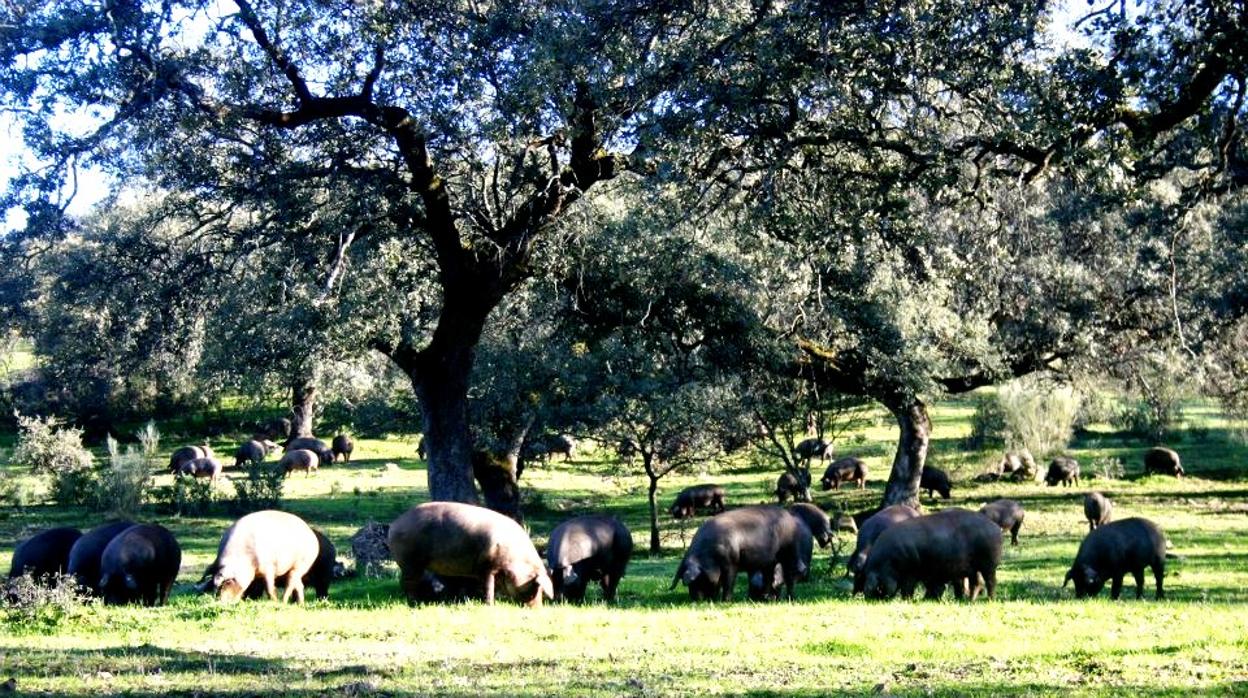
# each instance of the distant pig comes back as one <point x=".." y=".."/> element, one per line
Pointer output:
<point x="691" y="499"/>
<point x="1006" y="513"/>
<point x="324" y="453"/>
<point x="848" y="469"/>
<point x="1062" y="469"/>
<point x="947" y="547"/>
<point x="749" y="539"/>
<point x="253" y="451"/>
<point x="268" y="545"/>
<point x="1163" y="461"/>
<point x="343" y="446"/>
<point x="585" y="549"/>
<point x="1097" y="508"/>
<point x="870" y="530"/>
<point x="795" y="486"/>
<point x="140" y="564"/>
<point x="201" y="467"/>
<point x="934" y="480"/>
<point x="812" y="448"/>
<point x="462" y="540"/>
<point x="45" y="554"/>
<point x="188" y="453"/>
<point x="299" y="459"/>
<point x="84" y="557"/>
<point x="1114" y="550"/>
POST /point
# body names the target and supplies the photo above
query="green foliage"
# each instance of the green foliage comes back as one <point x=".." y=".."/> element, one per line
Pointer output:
<point x="47" y="447"/>
<point x="190" y="496"/>
<point x="261" y="488"/>
<point x="56" y="452"/>
<point x="39" y="607"/>
<point x="987" y="424"/>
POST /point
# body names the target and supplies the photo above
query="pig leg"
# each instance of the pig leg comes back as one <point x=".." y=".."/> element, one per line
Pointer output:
<point x="1116" y="589"/>
<point x="489" y="589"/>
<point x="1139" y="582"/>
<point x="270" y="584"/>
<point x="1014" y="533"/>
<point x="293" y="586"/>
<point x="990" y="582"/>
<point x="727" y="582"/>
<point x="1159" y="571"/>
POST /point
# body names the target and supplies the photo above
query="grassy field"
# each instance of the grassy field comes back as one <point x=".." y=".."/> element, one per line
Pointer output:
<point x="1035" y="638"/>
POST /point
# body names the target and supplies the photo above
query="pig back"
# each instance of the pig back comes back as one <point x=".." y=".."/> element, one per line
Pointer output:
<point x="269" y="540"/>
<point x="586" y="537"/>
<point x="458" y="540"/>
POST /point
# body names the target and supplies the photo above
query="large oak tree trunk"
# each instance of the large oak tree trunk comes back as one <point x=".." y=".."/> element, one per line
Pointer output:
<point x="655" y="545"/>
<point x="303" y="407"/>
<point x="915" y="433"/>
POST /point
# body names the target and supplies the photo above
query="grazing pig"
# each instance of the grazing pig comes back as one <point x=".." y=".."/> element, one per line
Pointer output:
<point x="1062" y="469"/>
<point x="343" y="446"/>
<point x="84" y="557"/>
<point x="277" y="428"/>
<point x="870" y="530"/>
<point x="45" y="554"/>
<point x="298" y="459"/>
<point x="948" y="547"/>
<point x="561" y="443"/>
<point x="186" y="454"/>
<point x="268" y="545"/>
<point x="323" y="452"/>
<point x="934" y="480"/>
<point x="848" y="469"/>
<point x="462" y="540"/>
<point x="816" y="520"/>
<point x="627" y="450"/>
<point x="585" y="549"/>
<point x="318" y="578"/>
<point x="421" y="451"/>
<point x="812" y="448"/>
<point x="1114" y="550"/>
<point x="749" y="539"/>
<point x="1097" y="508"/>
<point x="1163" y="461"/>
<point x="201" y="467"/>
<point x="1006" y="513"/>
<point x="140" y="564"/>
<point x="253" y="451"/>
<point x="795" y="486"/>
<point x="691" y="499"/>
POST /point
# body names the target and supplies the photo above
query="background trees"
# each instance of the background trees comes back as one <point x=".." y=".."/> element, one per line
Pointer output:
<point x="928" y="198"/>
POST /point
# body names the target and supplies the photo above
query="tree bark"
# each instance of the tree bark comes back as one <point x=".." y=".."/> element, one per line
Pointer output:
<point x="914" y="435"/>
<point x="303" y="406"/>
<point x="654" y="512"/>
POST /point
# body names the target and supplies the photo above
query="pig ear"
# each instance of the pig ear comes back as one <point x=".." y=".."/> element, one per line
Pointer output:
<point x="679" y="573"/>
<point x="131" y="582"/>
<point x="1070" y="574"/>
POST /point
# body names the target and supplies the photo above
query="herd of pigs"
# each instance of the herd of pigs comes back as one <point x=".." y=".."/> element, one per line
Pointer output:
<point x="448" y="550"/>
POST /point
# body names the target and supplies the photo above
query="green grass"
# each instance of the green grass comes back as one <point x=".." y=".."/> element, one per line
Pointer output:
<point x="1033" y="639"/>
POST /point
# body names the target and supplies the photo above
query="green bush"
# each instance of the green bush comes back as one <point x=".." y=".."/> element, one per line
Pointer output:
<point x="1039" y="417"/>
<point x="1148" y="421"/>
<point x="191" y="496"/>
<point x="48" y="448"/>
<point x="987" y="424"/>
<point x="261" y="489"/>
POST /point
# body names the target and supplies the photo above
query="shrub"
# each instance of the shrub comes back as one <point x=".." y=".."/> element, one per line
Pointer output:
<point x="1108" y="468"/>
<point x="45" y="446"/>
<point x="30" y="605"/>
<point x="124" y="483"/>
<point x="191" y="496"/>
<point x="987" y="424"/>
<point x="1150" y="421"/>
<point x="261" y="489"/>
<point x="1038" y="417"/>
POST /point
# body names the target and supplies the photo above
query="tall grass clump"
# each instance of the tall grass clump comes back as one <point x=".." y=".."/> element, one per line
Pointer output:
<point x="48" y="448"/>
<point x="123" y="485"/>
<point x="1038" y="417"/>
